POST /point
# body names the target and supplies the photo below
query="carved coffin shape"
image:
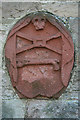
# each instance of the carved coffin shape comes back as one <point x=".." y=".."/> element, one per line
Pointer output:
<point x="40" y="56"/>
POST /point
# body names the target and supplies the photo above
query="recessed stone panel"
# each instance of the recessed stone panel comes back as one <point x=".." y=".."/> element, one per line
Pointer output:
<point x="39" y="56"/>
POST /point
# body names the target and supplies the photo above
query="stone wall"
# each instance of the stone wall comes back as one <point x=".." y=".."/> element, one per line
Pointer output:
<point x="67" y="105"/>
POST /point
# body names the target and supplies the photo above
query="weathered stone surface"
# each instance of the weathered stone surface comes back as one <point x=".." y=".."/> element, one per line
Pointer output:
<point x="73" y="22"/>
<point x="16" y="10"/>
<point x="70" y="96"/>
<point x="51" y="109"/>
<point x="62" y="8"/>
<point x="40" y="1"/>
<point x="14" y="108"/>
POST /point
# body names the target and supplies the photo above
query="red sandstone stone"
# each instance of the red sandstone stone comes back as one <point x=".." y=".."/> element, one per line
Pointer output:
<point x="39" y="56"/>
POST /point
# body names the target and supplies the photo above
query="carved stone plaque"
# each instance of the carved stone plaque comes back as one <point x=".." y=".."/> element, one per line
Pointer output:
<point x="39" y="56"/>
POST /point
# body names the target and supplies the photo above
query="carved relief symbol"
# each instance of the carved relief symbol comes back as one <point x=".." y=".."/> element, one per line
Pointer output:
<point x="39" y="22"/>
<point x="39" y="44"/>
<point x="41" y="56"/>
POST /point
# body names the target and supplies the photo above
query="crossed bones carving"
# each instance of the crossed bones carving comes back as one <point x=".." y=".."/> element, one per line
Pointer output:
<point x="42" y="44"/>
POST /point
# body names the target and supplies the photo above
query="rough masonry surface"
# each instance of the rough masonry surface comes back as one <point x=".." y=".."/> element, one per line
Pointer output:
<point x="13" y="106"/>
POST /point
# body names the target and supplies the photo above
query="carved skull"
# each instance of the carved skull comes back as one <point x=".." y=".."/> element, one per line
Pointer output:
<point x="39" y="22"/>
